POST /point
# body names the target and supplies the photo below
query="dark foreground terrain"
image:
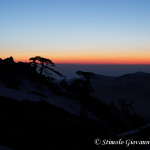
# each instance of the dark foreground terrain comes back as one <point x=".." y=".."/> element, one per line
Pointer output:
<point x="64" y="115"/>
<point x="41" y="126"/>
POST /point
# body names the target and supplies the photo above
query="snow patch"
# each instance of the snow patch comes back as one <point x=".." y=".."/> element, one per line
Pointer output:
<point x="4" y="148"/>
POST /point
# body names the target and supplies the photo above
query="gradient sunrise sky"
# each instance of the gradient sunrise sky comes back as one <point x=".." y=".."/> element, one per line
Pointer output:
<point x="76" y="31"/>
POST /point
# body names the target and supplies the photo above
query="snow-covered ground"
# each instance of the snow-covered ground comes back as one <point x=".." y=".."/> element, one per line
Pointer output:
<point x="4" y="148"/>
<point x="27" y="91"/>
<point x="131" y="132"/>
<point x="17" y="95"/>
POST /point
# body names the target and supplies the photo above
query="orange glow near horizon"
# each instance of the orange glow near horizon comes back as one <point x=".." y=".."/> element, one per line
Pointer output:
<point x="94" y="60"/>
<point x="86" y="58"/>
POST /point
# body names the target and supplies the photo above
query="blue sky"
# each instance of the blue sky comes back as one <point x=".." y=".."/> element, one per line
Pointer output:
<point x="75" y="29"/>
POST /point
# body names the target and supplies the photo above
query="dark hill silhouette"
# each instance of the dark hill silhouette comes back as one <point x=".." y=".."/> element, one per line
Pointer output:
<point x="12" y="73"/>
<point x="133" y="87"/>
<point x="54" y="113"/>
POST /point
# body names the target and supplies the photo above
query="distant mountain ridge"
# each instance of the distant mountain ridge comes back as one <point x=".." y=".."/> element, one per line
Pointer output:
<point x="133" y="87"/>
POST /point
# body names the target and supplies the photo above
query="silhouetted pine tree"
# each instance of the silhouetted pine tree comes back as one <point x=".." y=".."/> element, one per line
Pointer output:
<point x="33" y="59"/>
<point x="44" y="62"/>
<point x="45" y="66"/>
<point x="86" y="75"/>
<point x="82" y="89"/>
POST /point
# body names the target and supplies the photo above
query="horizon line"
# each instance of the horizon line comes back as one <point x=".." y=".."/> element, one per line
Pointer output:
<point x="85" y="62"/>
<point x="92" y="63"/>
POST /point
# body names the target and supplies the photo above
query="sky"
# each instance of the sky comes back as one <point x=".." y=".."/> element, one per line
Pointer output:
<point x="76" y="31"/>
